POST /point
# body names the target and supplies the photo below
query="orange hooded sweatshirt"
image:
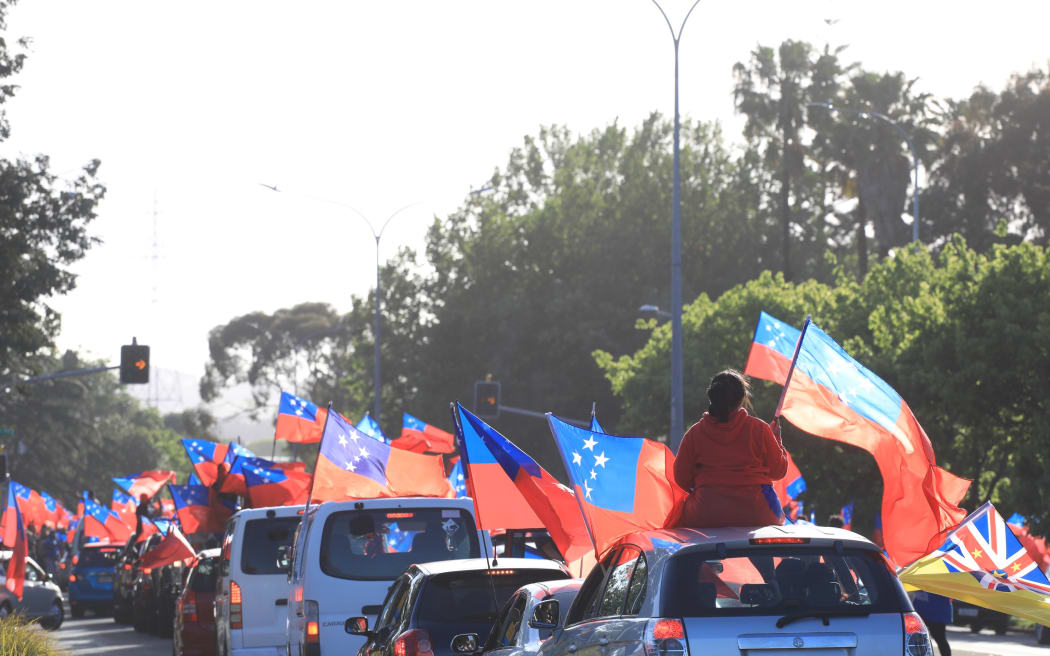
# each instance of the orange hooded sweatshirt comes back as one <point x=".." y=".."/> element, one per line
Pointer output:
<point x="741" y="451"/>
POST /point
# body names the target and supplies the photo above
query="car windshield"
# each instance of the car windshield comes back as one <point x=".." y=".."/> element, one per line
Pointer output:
<point x="202" y="578"/>
<point x="101" y="557"/>
<point x="379" y="544"/>
<point x="261" y="541"/>
<point x="475" y="596"/>
<point x="768" y="581"/>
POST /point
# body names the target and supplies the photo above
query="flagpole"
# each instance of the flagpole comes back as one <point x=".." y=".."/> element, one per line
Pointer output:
<point x="461" y="442"/>
<point x="576" y="490"/>
<point x="791" y="370"/>
<point x="313" y="475"/>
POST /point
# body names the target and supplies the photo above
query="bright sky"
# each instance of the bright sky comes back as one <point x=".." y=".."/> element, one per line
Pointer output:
<point x="190" y="105"/>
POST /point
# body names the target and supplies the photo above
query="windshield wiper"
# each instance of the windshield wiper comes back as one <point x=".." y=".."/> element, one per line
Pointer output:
<point x="823" y="615"/>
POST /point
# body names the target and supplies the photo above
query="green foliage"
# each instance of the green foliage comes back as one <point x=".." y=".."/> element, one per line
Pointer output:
<point x="18" y="637"/>
<point x="948" y="332"/>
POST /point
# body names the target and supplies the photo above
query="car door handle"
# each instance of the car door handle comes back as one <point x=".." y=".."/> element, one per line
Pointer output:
<point x="572" y="649"/>
<point x="281" y="602"/>
<point x="604" y="642"/>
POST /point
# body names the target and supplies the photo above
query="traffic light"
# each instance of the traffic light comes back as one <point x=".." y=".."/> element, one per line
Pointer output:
<point x="486" y="399"/>
<point x="134" y="364"/>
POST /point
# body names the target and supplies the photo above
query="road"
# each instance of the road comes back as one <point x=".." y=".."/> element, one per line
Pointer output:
<point x="101" y="635"/>
<point x="964" y="643"/>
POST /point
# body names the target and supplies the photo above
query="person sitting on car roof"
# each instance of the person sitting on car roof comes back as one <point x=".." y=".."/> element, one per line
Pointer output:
<point x="729" y="461"/>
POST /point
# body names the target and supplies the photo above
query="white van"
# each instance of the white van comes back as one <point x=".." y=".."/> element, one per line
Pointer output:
<point x="347" y="554"/>
<point x="251" y="595"/>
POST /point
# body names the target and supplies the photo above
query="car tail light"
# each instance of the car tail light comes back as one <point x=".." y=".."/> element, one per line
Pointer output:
<point x="236" y="619"/>
<point x="414" y="642"/>
<point x="72" y="578"/>
<point x="665" y="637"/>
<point x="76" y="559"/>
<point x="189" y="606"/>
<point x="147" y="571"/>
<point x="312" y="625"/>
<point x="127" y="565"/>
<point x="779" y="540"/>
<point x="61" y="565"/>
<point x="916" y="639"/>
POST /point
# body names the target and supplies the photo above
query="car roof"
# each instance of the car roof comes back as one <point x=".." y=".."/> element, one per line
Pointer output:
<point x="278" y="511"/>
<point x="481" y="564"/>
<point x="675" y="539"/>
<point x="544" y="589"/>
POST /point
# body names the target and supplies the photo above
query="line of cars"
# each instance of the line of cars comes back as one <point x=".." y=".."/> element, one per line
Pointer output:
<point x="415" y="577"/>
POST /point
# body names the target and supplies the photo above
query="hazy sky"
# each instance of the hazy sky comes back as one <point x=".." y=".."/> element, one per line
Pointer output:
<point x="378" y="105"/>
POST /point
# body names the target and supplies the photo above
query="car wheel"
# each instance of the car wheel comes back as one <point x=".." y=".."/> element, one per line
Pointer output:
<point x="975" y="628"/>
<point x="54" y="617"/>
<point x="1001" y="629"/>
<point x="1042" y="634"/>
<point x="77" y="612"/>
<point x="5" y="611"/>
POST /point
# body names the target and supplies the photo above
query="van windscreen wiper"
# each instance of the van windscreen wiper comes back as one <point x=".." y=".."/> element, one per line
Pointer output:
<point x="820" y="614"/>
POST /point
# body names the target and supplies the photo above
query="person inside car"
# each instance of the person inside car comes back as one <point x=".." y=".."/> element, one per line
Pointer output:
<point x="729" y="460"/>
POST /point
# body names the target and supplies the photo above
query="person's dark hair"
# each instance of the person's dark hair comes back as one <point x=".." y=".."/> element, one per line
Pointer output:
<point x="836" y="521"/>
<point x="728" y="389"/>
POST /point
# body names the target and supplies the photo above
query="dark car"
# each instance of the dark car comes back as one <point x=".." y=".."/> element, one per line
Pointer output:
<point x="431" y="603"/>
<point x="154" y="594"/>
<point x="127" y="574"/>
<point x="194" y="610"/>
<point x="91" y="580"/>
<point x="979" y="618"/>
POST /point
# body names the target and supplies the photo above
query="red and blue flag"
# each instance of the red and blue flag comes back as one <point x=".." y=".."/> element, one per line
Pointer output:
<point x="1034" y="544"/>
<point x="104" y="524"/>
<point x="418" y="436"/>
<point x="195" y="510"/>
<point x="124" y="505"/>
<point x="847" y="516"/>
<point x="26" y="503"/>
<point x="298" y="420"/>
<point x="15" y="540"/>
<point x="49" y="508"/>
<point x="148" y="482"/>
<point x="370" y="427"/>
<point x="193" y="480"/>
<point x="271" y="485"/>
<point x="207" y="458"/>
<point x="512" y="491"/>
<point x="352" y="465"/>
<point x="457" y="479"/>
<point x="833" y="396"/>
<point x="791" y="486"/>
<point x="623" y="484"/>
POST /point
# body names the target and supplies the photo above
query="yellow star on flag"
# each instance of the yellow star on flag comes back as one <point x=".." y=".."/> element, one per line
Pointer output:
<point x="1016" y="567"/>
<point x="976" y="553"/>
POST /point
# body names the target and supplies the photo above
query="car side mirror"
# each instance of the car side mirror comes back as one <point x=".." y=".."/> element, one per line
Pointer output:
<point x="284" y="557"/>
<point x="546" y="615"/>
<point x="465" y="643"/>
<point x="357" y="626"/>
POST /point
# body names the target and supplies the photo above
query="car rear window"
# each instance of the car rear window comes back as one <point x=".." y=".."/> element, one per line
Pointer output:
<point x="202" y="578"/>
<point x="102" y="557"/>
<point x="775" y="580"/>
<point x="261" y="540"/>
<point x="379" y="544"/>
<point x="475" y="596"/>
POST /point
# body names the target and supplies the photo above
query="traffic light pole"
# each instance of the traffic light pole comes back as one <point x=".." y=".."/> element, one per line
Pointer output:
<point x="63" y="374"/>
<point x="541" y="415"/>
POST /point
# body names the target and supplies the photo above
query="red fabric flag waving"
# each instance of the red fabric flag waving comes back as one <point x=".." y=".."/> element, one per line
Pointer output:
<point x="147" y="482"/>
<point x="15" y="540"/>
<point x="418" y="436"/>
<point x="352" y="465"/>
<point x="831" y="395"/>
<point x="298" y="420"/>
<point x="171" y="549"/>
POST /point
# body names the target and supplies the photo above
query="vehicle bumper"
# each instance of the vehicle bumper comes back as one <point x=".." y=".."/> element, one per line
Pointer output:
<point x="258" y="651"/>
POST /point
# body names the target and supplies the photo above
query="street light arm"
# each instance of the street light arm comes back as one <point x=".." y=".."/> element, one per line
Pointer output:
<point x="676" y="37"/>
<point x="390" y="218"/>
<point x="329" y="202"/>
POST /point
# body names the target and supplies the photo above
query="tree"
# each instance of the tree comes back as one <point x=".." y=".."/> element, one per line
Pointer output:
<point x="43" y="230"/>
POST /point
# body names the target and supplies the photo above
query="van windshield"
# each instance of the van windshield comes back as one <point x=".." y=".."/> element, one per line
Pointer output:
<point x="379" y="544"/>
<point x="778" y="581"/>
<point x="101" y="557"/>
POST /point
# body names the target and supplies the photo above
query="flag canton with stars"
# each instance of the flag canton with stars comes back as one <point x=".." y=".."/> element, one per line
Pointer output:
<point x="777" y="335"/>
<point x="199" y="451"/>
<point x="827" y="364"/>
<point x="503" y="451"/>
<point x="603" y="466"/>
<point x="350" y="449"/>
<point x="456" y="479"/>
<point x="257" y="472"/>
<point x="122" y="497"/>
<point x="189" y="495"/>
<point x="21" y="491"/>
<point x="293" y="405"/>
<point x="49" y="502"/>
<point x="411" y="423"/>
<point x="985" y="547"/>
<point x="370" y="427"/>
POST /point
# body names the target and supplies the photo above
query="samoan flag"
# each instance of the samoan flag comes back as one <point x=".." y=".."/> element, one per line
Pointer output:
<point x="234" y="482"/>
<point x="352" y="465"/>
<point x="15" y="540"/>
<point x="24" y="499"/>
<point x="512" y="491"/>
<point x="847" y="516"/>
<point x="104" y="524"/>
<point x="207" y="458"/>
<point x="982" y="562"/>
<point x="124" y="505"/>
<point x="624" y="484"/>
<point x="148" y="482"/>
<point x="270" y="484"/>
<point x="456" y="479"/>
<point x="370" y="427"/>
<point x="299" y="420"/>
<point x="193" y="480"/>
<point x="399" y="540"/>
<point x="832" y="395"/>
<point x="595" y="426"/>
<point x="50" y="509"/>
<point x="791" y="485"/>
<point x="418" y="436"/>
<point x="195" y="511"/>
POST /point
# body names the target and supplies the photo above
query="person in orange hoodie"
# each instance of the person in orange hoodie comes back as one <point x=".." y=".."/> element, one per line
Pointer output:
<point x="729" y="461"/>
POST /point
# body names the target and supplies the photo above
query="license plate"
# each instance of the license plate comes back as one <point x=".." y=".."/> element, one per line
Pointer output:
<point x="968" y="612"/>
<point x="109" y="579"/>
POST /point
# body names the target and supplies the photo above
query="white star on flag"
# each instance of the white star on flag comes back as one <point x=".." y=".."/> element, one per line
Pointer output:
<point x="577" y="459"/>
<point x="587" y="490"/>
<point x="590" y="442"/>
<point x="342" y="440"/>
<point x="364" y="453"/>
<point x="600" y="460"/>
<point x="594" y="474"/>
<point x="351" y="466"/>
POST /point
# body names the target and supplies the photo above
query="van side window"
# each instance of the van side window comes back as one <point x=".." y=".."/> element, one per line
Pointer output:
<point x="585" y="605"/>
<point x="615" y="595"/>
<point x="636" y="593"/>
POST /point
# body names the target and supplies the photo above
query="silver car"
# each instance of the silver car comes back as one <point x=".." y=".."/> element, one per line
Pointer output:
<point x="516" y="631"/>
<point x="768" y="590"/>
<point x="41" y="597"/>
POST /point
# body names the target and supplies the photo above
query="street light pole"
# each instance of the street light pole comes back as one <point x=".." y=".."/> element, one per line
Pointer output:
<point x="864" y="113"/>
<point x="677" y="410"/>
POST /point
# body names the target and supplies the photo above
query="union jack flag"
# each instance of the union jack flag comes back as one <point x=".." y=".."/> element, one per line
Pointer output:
<point x="985" y="546"/>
